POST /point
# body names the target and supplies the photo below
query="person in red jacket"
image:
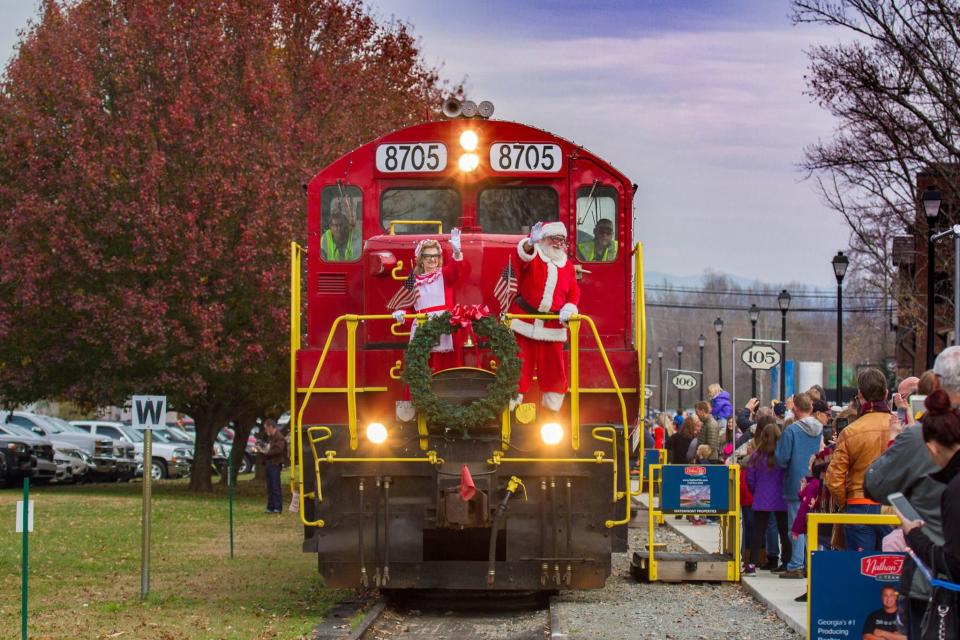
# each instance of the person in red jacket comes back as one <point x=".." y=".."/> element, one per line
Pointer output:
<point x="547" y="284"/>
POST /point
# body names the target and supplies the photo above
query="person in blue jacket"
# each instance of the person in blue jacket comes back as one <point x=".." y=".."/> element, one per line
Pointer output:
<point x="799" y="442"/>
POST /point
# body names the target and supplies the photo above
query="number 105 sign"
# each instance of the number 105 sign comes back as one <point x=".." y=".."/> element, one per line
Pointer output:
<point x="761" y="356"/>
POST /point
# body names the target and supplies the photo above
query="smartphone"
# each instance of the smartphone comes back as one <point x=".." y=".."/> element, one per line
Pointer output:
<point x="840" y="424"/>
<point x="916" y="405"/>
<point x="901" y="504"/>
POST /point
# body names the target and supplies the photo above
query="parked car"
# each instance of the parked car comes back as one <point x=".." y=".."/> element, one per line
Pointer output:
<point x="72" y="462"/>
<point x="104" y="464"/>
<point x="26" y="456"/>
<point x="169" y="460"/>
<point x="124" y="452"/>
<point x="176" y="435"/>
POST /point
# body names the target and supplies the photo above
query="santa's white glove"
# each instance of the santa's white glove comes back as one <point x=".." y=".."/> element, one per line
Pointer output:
<point x="398" y="315"/>
<point x="455" y="240"/>
<point x="568" y="312"/>
<point x="536" y="233"/>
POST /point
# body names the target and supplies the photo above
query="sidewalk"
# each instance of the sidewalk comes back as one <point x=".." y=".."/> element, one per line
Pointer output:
<point x="766" y="587"/>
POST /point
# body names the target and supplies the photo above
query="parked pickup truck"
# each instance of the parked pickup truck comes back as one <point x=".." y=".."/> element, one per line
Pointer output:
<point x="103" y="464"/>
<point x="27" y="457"/>
<point x="169" y="460"/>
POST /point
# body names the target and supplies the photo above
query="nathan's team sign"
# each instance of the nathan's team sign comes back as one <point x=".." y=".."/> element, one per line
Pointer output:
<point x="525" y="157"/>
<point x="854" y="594"/>
<point x="761" y="356"/>
<point x="420" y="157"/>
<point x="684" y="381"/>
<point x="648" y="392"/>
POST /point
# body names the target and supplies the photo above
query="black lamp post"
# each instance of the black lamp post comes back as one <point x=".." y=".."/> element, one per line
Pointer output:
<point x="840" y="264"/>
<point x="754" y="316"/>
<point x="718" y="327"/>
<point x="784" y="301"/>
<point x="701" y="342"/>
<point x="931" y="207"/>
<point x="679" y="366"/>
<point x="663" y="396"/>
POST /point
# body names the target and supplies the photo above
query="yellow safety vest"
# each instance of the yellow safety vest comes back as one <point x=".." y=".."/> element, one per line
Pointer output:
<point x="332" y="253"/>
<point x="588" y="251"/>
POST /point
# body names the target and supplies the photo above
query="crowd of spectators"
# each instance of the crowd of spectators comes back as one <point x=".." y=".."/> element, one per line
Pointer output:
<point x="804" y="455"/>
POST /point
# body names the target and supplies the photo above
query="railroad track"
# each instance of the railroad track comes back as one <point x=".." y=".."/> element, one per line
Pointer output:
<point x="450" y="615"/>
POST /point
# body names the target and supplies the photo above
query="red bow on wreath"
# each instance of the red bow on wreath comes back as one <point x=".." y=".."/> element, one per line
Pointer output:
<point x="464" y="315"/>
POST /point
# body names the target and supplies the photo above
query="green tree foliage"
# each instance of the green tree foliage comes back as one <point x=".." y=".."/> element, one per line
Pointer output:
<point x="152" y="157"/>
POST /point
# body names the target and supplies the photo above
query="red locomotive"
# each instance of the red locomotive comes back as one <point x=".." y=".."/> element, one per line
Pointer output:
<point x="380" y="485"/>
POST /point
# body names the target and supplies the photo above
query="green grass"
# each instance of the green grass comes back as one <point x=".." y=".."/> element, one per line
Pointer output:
<point x="85" y="566"/>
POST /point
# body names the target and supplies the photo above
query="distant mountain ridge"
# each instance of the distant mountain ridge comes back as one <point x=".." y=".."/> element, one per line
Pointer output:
<point x="661" y="279"/>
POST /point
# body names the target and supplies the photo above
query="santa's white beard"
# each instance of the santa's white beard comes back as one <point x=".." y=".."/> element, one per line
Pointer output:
<point x="552" y="253"/>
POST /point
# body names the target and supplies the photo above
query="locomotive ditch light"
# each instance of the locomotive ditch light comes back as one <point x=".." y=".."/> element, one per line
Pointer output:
<point x="469" y="140"/>
<point x="376" y="433"/>
<point x="551" y="433"/>
<point x="469" y="161"/>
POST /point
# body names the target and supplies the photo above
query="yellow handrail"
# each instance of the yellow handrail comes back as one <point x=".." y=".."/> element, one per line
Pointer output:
<point x="295" y="251"/>
<point x="575" y="420"/>
<point x="394" y="223"/>
<point x="640" y="343"/>
<point x="613" y="447"/>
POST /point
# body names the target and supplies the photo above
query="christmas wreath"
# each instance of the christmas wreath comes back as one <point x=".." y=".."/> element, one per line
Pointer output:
<point x="417" y="373"/>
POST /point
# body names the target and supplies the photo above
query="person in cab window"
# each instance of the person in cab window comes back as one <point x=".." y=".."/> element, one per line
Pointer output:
<point x="429" y="290"/>
<point x="602" y="248"/>
<point x="341" y="242"/>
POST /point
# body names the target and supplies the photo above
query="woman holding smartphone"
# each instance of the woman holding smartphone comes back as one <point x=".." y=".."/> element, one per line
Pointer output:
<point x="941" y="434"/>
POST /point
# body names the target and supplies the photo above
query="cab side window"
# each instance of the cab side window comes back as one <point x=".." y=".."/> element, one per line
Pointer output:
<point x="341" y="223"/>
<point x="597" y="237"/>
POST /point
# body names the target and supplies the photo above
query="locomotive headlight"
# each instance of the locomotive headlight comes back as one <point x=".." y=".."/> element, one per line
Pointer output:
<point x="469" y="162"/>
<point x="376" y="433"/>
<point x="469" y="140"/>
<point x="551" y="433"/>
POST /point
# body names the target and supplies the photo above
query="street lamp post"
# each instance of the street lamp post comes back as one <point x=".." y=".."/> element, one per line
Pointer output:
<point x="679" y="366"/>
<point x="931" y="207"/>
<point x="840" y="264"/>
<point x="754" y="316"/>
<point x="784" y="301"/>
<point x="718" y="327"/>
<point x="649" y="364"/>
<point x="701" y="342"/>
<point x="663" y="396"/>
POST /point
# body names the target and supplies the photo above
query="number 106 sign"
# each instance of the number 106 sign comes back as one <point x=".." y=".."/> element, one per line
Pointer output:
<point x="761" y="356"/>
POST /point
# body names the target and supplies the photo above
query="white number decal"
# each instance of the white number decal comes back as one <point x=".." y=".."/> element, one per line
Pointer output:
<point x="411" y="158"/>
<point x="525" y="157"/>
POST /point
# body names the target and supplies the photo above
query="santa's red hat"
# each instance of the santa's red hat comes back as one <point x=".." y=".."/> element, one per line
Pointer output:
<point x="554" y="229"/>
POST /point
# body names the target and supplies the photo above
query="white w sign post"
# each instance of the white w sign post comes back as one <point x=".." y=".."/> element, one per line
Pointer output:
<point x="148" y="412"/>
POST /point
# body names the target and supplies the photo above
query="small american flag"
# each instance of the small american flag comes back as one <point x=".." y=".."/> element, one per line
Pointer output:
<point x="406" y="295"/>
<point x="506" y="288"/>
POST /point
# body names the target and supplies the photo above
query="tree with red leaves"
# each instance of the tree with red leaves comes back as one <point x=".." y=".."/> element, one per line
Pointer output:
<point x="152" y="157"/>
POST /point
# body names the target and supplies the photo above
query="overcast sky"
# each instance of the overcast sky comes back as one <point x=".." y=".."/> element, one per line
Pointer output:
<point x="700" y="102"/>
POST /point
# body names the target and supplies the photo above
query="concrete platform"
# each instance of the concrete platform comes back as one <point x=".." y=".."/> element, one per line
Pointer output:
<point x="768" y="588"/>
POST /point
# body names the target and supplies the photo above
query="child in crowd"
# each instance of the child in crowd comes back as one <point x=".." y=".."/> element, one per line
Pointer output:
<point x="765" y="481"/>
<point x="704" y="453"/>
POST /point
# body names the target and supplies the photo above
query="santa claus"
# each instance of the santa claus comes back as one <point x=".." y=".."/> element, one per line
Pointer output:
<point x="547" y="284"/>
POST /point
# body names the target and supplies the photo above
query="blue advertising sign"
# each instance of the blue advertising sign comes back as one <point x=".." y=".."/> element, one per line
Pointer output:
<point x="650" y="456"/>
<point x="853" y="593"/>
<point x="695" y="488"/>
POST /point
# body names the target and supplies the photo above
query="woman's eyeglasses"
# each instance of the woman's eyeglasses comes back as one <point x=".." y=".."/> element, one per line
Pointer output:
<point x="430" y="256"/>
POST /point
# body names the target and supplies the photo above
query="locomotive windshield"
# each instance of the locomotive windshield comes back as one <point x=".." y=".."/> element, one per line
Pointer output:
<point x="516" y="209"/>
<point x="402" y="204"/>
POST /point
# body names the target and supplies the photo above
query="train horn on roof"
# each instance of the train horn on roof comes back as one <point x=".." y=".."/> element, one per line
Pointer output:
<point x="468" y="108"/>
<point x="485" y="109"/>
<point x="452" y="108"/>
